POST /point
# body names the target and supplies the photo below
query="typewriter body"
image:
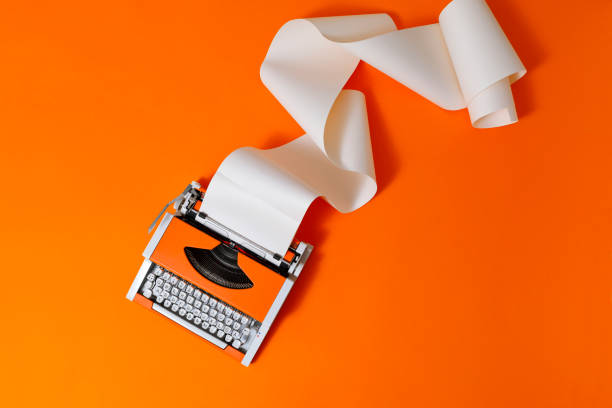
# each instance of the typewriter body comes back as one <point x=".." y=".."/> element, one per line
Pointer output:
<point x="212" y="280"/>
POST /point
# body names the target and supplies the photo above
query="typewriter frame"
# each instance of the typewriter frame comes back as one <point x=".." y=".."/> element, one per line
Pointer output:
<point x="288" y="266"/>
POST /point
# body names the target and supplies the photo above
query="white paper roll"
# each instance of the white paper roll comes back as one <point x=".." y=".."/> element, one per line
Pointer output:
<point x="464" y="61"/>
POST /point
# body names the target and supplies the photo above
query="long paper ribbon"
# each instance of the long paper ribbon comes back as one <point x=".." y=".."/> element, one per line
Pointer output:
<point x="465" y="60"/>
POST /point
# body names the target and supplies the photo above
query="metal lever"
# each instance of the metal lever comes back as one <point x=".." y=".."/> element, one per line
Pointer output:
<point x="193" y="184"/>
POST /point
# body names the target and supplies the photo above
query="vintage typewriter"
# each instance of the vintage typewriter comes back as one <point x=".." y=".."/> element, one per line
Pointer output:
<point x="213" y="281"/>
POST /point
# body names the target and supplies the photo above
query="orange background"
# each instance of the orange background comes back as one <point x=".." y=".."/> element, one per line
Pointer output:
<point x="479" y="276"/>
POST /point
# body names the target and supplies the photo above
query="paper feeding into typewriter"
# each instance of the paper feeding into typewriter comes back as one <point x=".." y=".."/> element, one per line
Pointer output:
<point x="465" y="60"/>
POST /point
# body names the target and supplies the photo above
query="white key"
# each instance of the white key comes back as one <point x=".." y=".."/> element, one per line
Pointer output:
<point x="228" y="338"/>
<point x="212" y="313"/>
<point x="236" y="325"/>
<point x="182" y="311"/>
<point x="189" y="290"/>
<point x="182" y="295"/>
<point x="173" y="280"/>
<point x="244" y="320"/>
<point x="147" y="293"/>
<point x="212" y="302"/>
<point x="219" y="325"/>
<point x="236" y="315"/>
<point x="148" y="285"/>
<point x="212" y="329"/>
<point x="220" y="307"/>
<point x="166" y="276"/>
<point x="197" y="293"/>
<point x="150" y="277"/>
<point x="204" y="298"/>
<point x="165" y="294"/>
<point x="188" y="308"/>
<point x="157" y="291"/>
<point x="197" y="304"/>
<point x="245" y="331"/>
<point x="174" y="307"/>
<point x="181" y="285"/>
<point x="236" y="344"/>
<point x="220" y="317"/>
<point x="205" y="308"/>
<point x="228" y="311"/>
<point x="189" y="316"/>
<point x="157" y="271"/>
<point x="167" y="286"/>
<point x="235" y="334"/>
<point x="175" y="291"/>
<point x="197" y="320"/>
<point x="159" y="299"/>
<point x="244" y="338"/>
<point x="228" y="321"/>
<point x="159" y="281"/>
<point x="189" y="300"/>
<point x="180" y="303"/>
<point x="167" y="303"/>
<point x="196" y="312"/>
<point x="227" y="329"/>
<point x="173" y="299"/>
<point x="219" y="334"/>
<point x="212" y="321"/>
<point x="205" y="325"/>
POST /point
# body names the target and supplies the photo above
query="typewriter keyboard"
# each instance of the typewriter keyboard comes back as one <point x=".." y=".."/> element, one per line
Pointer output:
<point x="197" y="310"/>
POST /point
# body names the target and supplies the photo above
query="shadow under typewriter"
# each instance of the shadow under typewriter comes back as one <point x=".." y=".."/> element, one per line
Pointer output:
<point x="219" y="265"/>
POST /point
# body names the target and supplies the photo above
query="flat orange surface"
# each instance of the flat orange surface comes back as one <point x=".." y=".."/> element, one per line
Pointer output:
<point x="479" y="276"/>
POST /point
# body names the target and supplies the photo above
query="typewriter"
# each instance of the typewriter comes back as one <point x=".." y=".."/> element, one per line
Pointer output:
<point x="213" y="281"/>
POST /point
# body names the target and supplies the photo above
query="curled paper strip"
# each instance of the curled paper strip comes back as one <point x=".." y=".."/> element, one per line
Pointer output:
<point x="463" y="61"/>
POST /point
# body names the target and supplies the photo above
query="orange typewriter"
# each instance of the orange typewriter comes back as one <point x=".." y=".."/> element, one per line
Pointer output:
<point x="213" y="281"/>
